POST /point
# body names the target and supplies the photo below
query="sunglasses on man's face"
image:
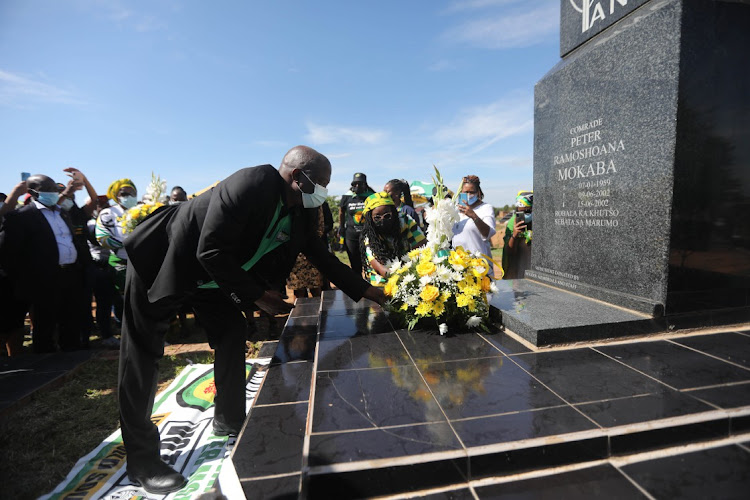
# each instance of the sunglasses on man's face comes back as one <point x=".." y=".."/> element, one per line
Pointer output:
<point x="378" y="218"/>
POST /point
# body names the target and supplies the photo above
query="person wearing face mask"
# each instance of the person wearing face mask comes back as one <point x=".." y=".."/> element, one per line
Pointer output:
<point x="386" y="235"/>
<point x="350" y="218"/>
<point x="109" y="231"/>
<point x="223" y="253"/>
<point x="517" y="248"/>
<point x="44" y="263"/>
<point x="476" y="223"/>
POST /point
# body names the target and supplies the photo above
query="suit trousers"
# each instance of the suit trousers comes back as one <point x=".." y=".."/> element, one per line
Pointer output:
<point x="58" y="309"/>
<point x="142" y="345"/>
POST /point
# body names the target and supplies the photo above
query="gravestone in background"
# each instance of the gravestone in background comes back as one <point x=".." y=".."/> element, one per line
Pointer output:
<point x="642" y="163"/>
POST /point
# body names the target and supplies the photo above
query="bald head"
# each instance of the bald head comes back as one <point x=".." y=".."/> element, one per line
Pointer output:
<point x="309" y="161"/>
<point x="39" y="182"/>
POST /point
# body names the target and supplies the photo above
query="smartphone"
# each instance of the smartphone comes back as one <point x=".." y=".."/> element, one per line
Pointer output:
<point x="463" y="198"/>
<point x="25" y="176"/>
<point x="520" y="216"/>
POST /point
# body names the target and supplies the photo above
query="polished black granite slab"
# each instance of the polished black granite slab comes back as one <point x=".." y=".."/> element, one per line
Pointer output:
<point x="544" y="315"/>
<point x="352" y="408"/>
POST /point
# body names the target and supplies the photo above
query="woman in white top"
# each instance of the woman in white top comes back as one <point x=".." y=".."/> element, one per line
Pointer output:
<point x="109" y="232"/>
<point x="476" y="223"/>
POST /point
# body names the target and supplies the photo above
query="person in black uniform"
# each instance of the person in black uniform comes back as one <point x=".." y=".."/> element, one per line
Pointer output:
<point x="221" y="253"/>
<point x="351" y="218"/>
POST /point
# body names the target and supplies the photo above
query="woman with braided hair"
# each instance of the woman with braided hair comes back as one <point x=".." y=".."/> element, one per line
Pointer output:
<point x="476" y="223"/>
<point x="386" y="235"/>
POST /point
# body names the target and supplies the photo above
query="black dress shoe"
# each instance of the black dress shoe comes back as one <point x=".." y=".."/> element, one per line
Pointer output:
<point x="222" y="429"/>
<point x="157" y="478"/>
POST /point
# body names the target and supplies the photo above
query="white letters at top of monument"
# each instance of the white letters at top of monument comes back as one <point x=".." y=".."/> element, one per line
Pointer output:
<point x="593" y="11"/>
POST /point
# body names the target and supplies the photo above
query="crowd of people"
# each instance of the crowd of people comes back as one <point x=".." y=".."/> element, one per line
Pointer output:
<point x="63" y="264"/>
<point x="224" y="254"/>
<point x="56" y="256"/>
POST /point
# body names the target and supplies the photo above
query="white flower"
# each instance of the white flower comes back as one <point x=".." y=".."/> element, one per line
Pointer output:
<point x="457" y="276"/>
<point x="408" y="278"/>
<point x="493" y="287"/>
<point x="425" y="280"/>
<point x="443" y="273"/>
<point x="457" y="267"/>
<point x="412" y="301"/>
<point x="473" y="321"/>
<point x="443" y="328"/>
<point x="480" y="269"/>
<point x="393" y="265"/>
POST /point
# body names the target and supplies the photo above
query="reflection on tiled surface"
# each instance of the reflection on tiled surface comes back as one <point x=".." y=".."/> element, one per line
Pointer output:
<point x="368" y="351"/>
<point x="362" y="399"/>
<point x="267" y="349"/>
<point x="310" y="307"/>
<point x="399" y="412"/>
<point x="286" y="383"/>
<point x="295" y="347"/>
<point x="730" y="346"/>
<point x="458" y="494"/>
<point x="363" y="322"/>
<point x="583" y="375"/>
<point x="276" y="488"/>
<point x="675" y="365"/>
<point x="664" y="404"/>
<point x="382" y="481"/>
<point x="727" y="396"/>
<point x="344" y="447"/>
<point x="522" y="425"/>
<point x="430" y="345"/>
<point x="279" y="443"/>
<point x="713" y="473"/>
<point x="484" y="386"/>
<point x="553" y="454"/>
<point x="603" y="481"/>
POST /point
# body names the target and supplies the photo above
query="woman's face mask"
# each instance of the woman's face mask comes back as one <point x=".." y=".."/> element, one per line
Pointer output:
<point x="66" y="204"/>
<point x="127" y="201"/>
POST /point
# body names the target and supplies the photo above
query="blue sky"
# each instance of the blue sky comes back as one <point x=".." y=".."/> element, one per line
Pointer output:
<point x="194" y="90"/>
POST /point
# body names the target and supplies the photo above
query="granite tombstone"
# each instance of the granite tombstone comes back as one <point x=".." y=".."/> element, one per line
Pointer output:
<point x="641" y="165"/>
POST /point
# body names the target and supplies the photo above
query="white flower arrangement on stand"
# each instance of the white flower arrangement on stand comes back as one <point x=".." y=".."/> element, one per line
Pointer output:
<point x="436" y="282"/>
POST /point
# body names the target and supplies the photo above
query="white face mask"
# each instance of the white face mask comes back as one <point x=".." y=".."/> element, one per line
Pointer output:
<point x="66" y="204"/>
<point x="128" y="201"/>
<point x="316" y="198"/>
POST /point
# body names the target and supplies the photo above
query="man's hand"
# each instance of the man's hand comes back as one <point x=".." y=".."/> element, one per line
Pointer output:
<point x="375" y="294"/>
<point x="273" y="303"/>
<point x="75" y="175"/>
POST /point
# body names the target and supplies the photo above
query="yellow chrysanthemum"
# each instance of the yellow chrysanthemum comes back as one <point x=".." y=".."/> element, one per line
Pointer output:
<point x="425" y="254"/>
<point x="463" y="300"/>
<point x="404" y="307"/>
<point x="414" y="254"/>
<point x="390" y="289"/>
<point x="424" y="309"/>
<point x="445" y="295"/>
<point x="438" y="308"/>
<point x="425" y="268"/>
<point x="472" y="290"/>
<point x="478" y="267"/>
<point x="429" y="293"/>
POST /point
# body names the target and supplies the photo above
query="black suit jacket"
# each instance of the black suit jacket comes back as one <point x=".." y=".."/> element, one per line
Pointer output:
<point x="210" y="237"/>
<point x="28" y="250"/>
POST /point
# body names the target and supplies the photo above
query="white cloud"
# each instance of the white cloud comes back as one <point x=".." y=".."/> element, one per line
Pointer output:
<point x="332" y="134"/>
<point x="479" y="127"/>
<point x="521" y="28"/>
<point x="17" y="90"/>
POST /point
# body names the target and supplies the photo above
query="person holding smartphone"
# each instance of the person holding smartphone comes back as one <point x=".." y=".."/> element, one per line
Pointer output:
<point x="476" y="224"/>
<point x="517" y="248"/>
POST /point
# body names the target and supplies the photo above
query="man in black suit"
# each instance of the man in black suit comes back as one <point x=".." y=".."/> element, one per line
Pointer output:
<point x="223" y="253"/>
<point x="45" y="265"/>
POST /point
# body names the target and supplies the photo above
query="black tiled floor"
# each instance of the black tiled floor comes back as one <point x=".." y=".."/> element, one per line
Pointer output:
<point x="523" y="425"/>
<point x="280" y="443"/>
<point x="484" y="386"/>
<point x="304" y="324"/>
<point x="286" y="383"/>
<point x="267" y="349"/>
<point x="363" y="322"/>
<point x="675" y="365"/>
<point x="505" y="342"/>
<point x="276" y="488"/>
<point x="721" y="473"/>
<point x="664" y="404"/>
<point x="295" y="347"/>
<point x="362" y="399"/>
<point x="382" y="443"/>
<point x="367" y="351"/>
<point x="603" y="481"/>
<point x="730" y="346"/>
<point x="727" y="396"/>
<point x="583" y="375"/>
<point x="311" y="307"/>
<point x="429" y="346"/>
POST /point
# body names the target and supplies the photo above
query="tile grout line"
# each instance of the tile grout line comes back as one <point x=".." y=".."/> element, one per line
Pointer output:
<point x="634" y="483"/>
<point x="448" y="420"/>
<point x="708" y="354"/>
<point x="634" y="369"/>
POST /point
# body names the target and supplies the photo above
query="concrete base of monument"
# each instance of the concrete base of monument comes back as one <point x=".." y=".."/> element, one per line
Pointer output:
<point x="545" y="315"/>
